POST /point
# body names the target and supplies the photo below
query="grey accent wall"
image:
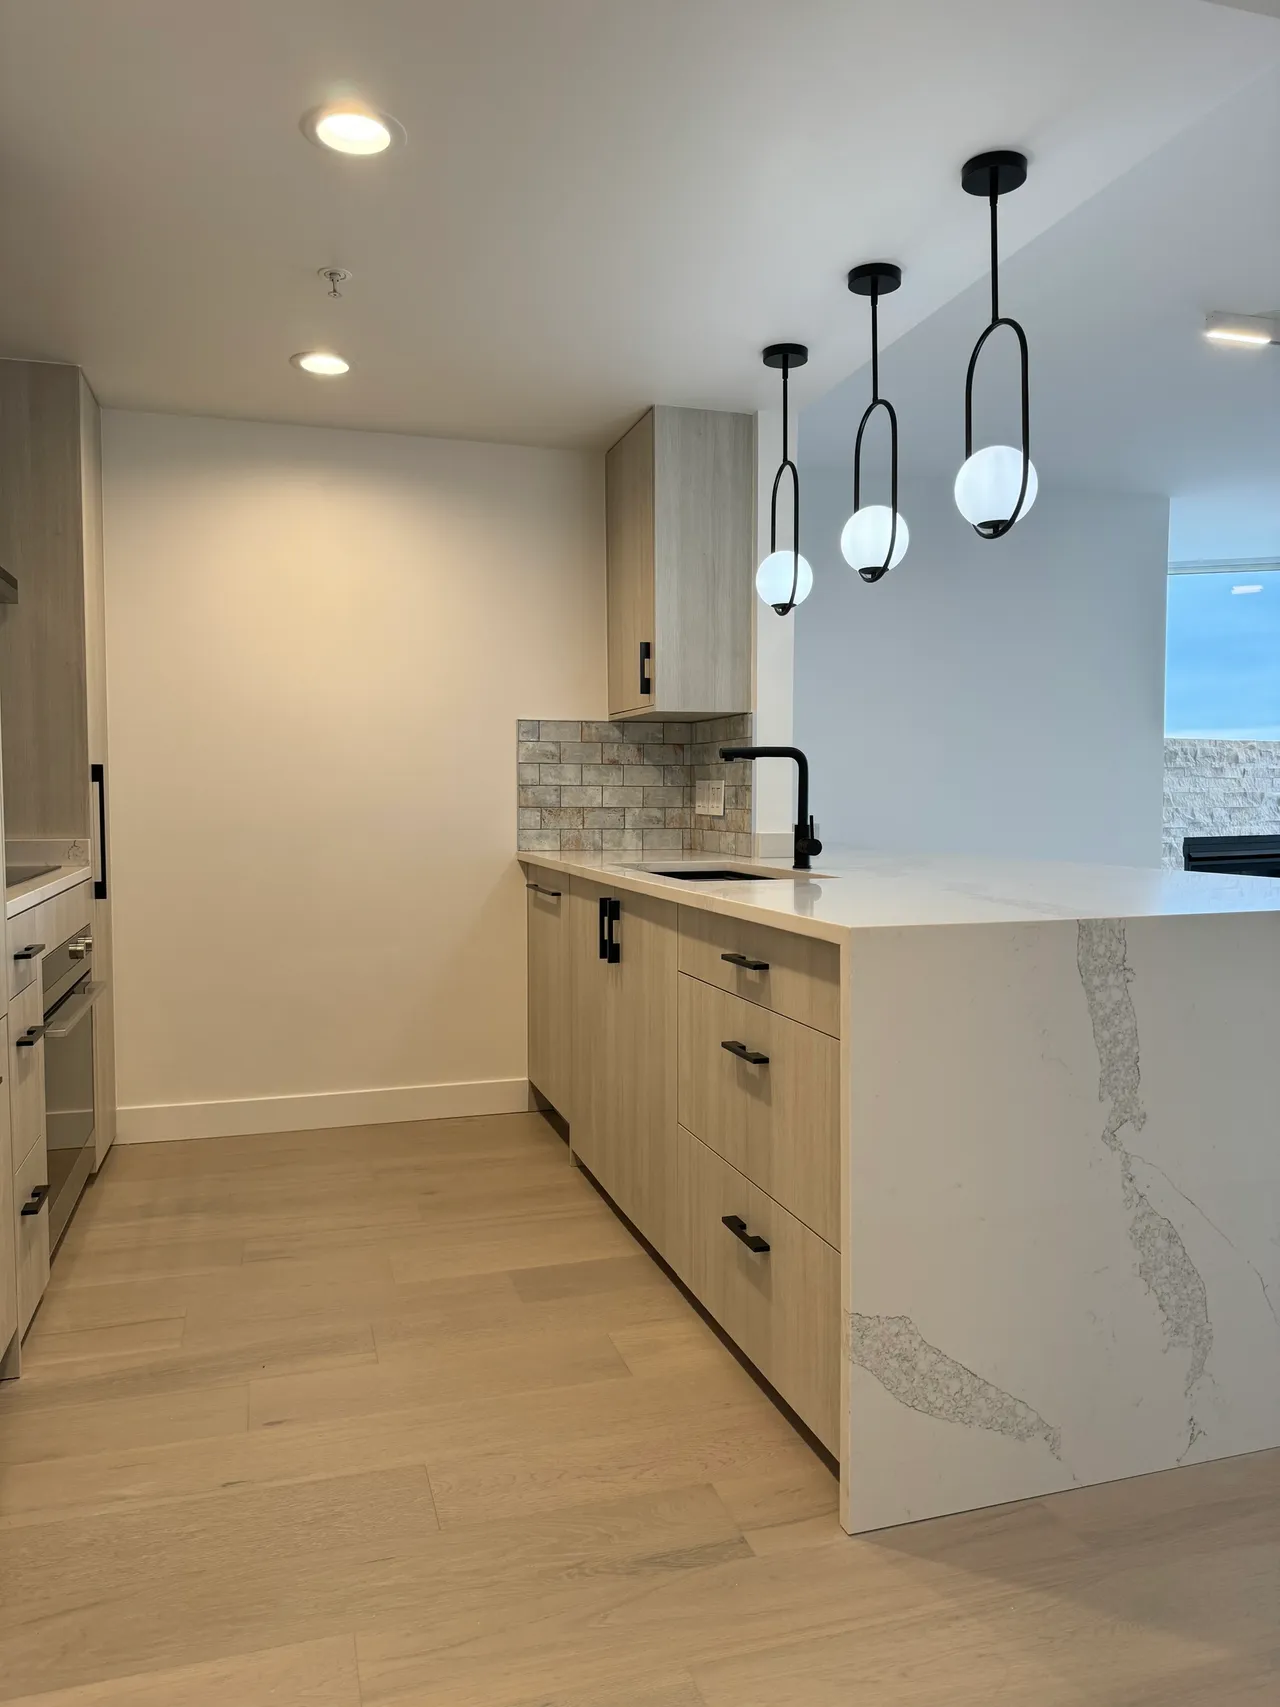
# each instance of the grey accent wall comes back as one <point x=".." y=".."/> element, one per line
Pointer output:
<point x="628" y="787"/>
<point x="1219" y="788"/>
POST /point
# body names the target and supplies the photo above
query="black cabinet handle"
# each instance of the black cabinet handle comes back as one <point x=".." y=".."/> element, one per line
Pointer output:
<point x="745" y="961"/>
<point x="738" y="1227"/>
<point x="646" y="675"/>
<point x="610" y="913"/>
<point x="98" y="777"/>
<point x="30" y="1037"/>
<point x="35" y="1203"/>
<point x="30" y="951"/>
<point x="551" y="894"/>
<point x="744" y="1054"/>
<point x="604" y="927"/>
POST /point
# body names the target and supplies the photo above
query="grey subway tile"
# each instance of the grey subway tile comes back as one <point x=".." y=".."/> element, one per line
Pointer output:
<point x="620" y="753"/>
<point x="623" y="796"/>
<point x="644" y="818"/>
<point x="580" y="752"/>
<point x="562" y="817"/>
<point x="537" y="841"/>
<point x="552" y="731"/>
<point x="663" y="841"/>
<point x="662" y="796"/>
<point x="622" y="841"/>
<point x="603" y="732"/>
<point x="526" y="773"/>
<point x="560" y="773"/>
<point x="603" y="818"/>
<point x="542" y="795"/>
<point x="528" y="818"/>
<point x="581" y="841"/>
<point x="538" y="752"/>
<point x="572" y="796"/>
<point x="641" y="776"/>
<point x="527" y="729"/>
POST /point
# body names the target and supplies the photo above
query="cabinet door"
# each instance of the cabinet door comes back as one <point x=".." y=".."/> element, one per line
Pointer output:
<point x="549" y="987"/>
<point x="8" y="1229"/>
<point x="629" y="500"/>
<point x="624" y="1092"/>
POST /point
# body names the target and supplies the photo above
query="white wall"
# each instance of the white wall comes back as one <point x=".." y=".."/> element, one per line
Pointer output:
<point x="319" y="643"/>
<point x="1003" y="697"/>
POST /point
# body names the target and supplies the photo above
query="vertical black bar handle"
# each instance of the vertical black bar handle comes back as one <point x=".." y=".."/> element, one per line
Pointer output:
<point x="98" y="777"/>
<point x="604" y="927"/>
<point x="646" y="675"/>
<point x="615" y="947"/>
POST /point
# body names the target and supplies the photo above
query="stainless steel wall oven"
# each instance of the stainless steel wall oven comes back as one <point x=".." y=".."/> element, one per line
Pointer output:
<point x="70" y="994"/>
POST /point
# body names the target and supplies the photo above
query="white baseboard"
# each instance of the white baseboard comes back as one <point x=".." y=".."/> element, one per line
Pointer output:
<point x="159" y="1123"/>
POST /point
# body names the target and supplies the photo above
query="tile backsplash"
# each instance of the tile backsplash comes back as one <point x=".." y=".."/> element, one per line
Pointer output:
<point x="629" y="787"/>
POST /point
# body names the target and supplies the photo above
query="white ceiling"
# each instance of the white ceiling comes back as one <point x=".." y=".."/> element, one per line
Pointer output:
<point x="1126" y="392"/>
<point x="601" y="202"/>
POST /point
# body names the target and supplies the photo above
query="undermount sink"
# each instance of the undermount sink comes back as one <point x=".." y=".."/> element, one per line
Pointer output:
<point x="717" y="874"/>
<point x="15" y="874"/>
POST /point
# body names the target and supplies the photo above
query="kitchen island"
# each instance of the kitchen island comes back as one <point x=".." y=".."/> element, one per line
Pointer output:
<point x="1058" y="1226"/>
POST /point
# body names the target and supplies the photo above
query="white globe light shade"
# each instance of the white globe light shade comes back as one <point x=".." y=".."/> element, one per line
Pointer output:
<point x="774" y="577"/>
<point x="864" y="540"/>
<point x="987" y="486"/>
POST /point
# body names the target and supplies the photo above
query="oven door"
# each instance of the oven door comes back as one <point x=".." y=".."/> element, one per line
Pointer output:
<point x="68" y="1092"/>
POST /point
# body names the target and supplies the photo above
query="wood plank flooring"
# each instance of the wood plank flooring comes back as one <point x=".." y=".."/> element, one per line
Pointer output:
<point x="402" y="1415"/>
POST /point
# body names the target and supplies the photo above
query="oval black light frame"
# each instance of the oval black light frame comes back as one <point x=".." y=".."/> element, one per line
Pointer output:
<point x="875" y="279"/>
<point x="998" y="173"/>
<point x="786" y="357"/>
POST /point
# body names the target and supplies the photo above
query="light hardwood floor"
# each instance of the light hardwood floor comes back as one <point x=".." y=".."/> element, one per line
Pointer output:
<point x="402" y="1415"/>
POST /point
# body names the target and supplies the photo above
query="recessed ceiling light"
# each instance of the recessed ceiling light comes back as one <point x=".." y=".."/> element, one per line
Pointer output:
<point x="1254" y="331"/>
<point x="350" y="127"/>
<point x="320" y="361"/>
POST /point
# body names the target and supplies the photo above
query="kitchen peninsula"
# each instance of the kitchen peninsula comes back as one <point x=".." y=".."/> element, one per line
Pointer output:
<point x="974" y="1160"/>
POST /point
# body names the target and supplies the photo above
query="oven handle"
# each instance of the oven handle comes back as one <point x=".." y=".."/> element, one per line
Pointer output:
<point x="63" y="1021"/>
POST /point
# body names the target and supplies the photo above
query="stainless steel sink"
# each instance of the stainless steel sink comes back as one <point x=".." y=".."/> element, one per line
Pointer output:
<point x="716" y="874"/>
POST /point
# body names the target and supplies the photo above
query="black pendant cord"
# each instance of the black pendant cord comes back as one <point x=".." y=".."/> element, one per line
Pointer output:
<point x="1003" y="172"/>
<point x="870" y="281"/>
<point x="785" y="356"/>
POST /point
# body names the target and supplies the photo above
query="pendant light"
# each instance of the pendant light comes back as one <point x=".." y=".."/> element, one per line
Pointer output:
<point x="875" y="538"/>
<point x="998" y="484"/>
<point x="785" y="580"/>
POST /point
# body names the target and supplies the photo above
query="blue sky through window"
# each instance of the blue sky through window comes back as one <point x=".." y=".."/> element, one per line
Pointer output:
<point x="1222" y="665"/>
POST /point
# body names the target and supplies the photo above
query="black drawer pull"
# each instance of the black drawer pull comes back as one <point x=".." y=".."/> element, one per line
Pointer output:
<point x="744" y="1054"/>
<point x="30" y="1037"/>
<point x="746" y="962"/>
<point x="738" y="1227"/>
<point x="551" y="894"/>
<point x="35" y="1203"/>
<point x="30" y="951"/>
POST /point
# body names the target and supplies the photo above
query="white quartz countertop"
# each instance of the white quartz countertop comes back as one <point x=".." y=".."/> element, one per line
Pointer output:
<point x="44" y="888"/>
<point x="849" y="890"/>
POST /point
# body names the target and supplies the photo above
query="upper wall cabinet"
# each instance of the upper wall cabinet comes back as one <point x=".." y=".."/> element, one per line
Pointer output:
<point x="680" y="493"/>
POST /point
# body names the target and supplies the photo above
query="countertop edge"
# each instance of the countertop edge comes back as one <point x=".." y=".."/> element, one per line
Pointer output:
<point x="24" y="896"/>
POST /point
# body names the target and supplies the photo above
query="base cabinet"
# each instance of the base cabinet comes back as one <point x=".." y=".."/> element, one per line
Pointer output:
<point x="624" y="950"/>
<point x="550" y="988"/>
<point x="771" y="1283"/>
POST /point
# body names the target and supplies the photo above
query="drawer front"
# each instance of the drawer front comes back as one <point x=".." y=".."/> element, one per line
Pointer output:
<point x="781" y="1306"/>
<point x="49" y="923"/>
<point x="26" y="1077"/>
<point x="777" y="1121"/>
<point x="794" y="975"/>
<point x="33" y="1236"/>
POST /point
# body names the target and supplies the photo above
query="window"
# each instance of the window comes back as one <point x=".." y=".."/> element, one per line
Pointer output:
<point x="1222" y="662"/>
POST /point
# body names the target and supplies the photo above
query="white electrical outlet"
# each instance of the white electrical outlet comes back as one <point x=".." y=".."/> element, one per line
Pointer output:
<point x="708" y="799"/>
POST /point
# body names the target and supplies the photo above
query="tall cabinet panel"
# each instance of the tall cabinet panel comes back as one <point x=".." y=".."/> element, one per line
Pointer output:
<point x="95" y="658"/>
<point x="53" y="688"/>
<point x="629" y="499"/>
<point x="623" y="948"/>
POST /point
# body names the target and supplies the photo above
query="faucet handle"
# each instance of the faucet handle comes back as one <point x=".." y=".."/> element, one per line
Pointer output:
<point x="814" y="845"/>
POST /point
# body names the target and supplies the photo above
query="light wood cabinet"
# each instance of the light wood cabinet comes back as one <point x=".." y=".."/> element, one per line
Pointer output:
<point x="30" y="1182"/>
<point x="781" y="1304"/>
<point x="53" y="719"/>
<point x="550" y="988"/>
<point x="624" y="1050"/>
<point x="680" y="535"/>
<point x="768" y="1103"/>
<point x="794" y="975"/>
<point x="8" y="1227"/>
